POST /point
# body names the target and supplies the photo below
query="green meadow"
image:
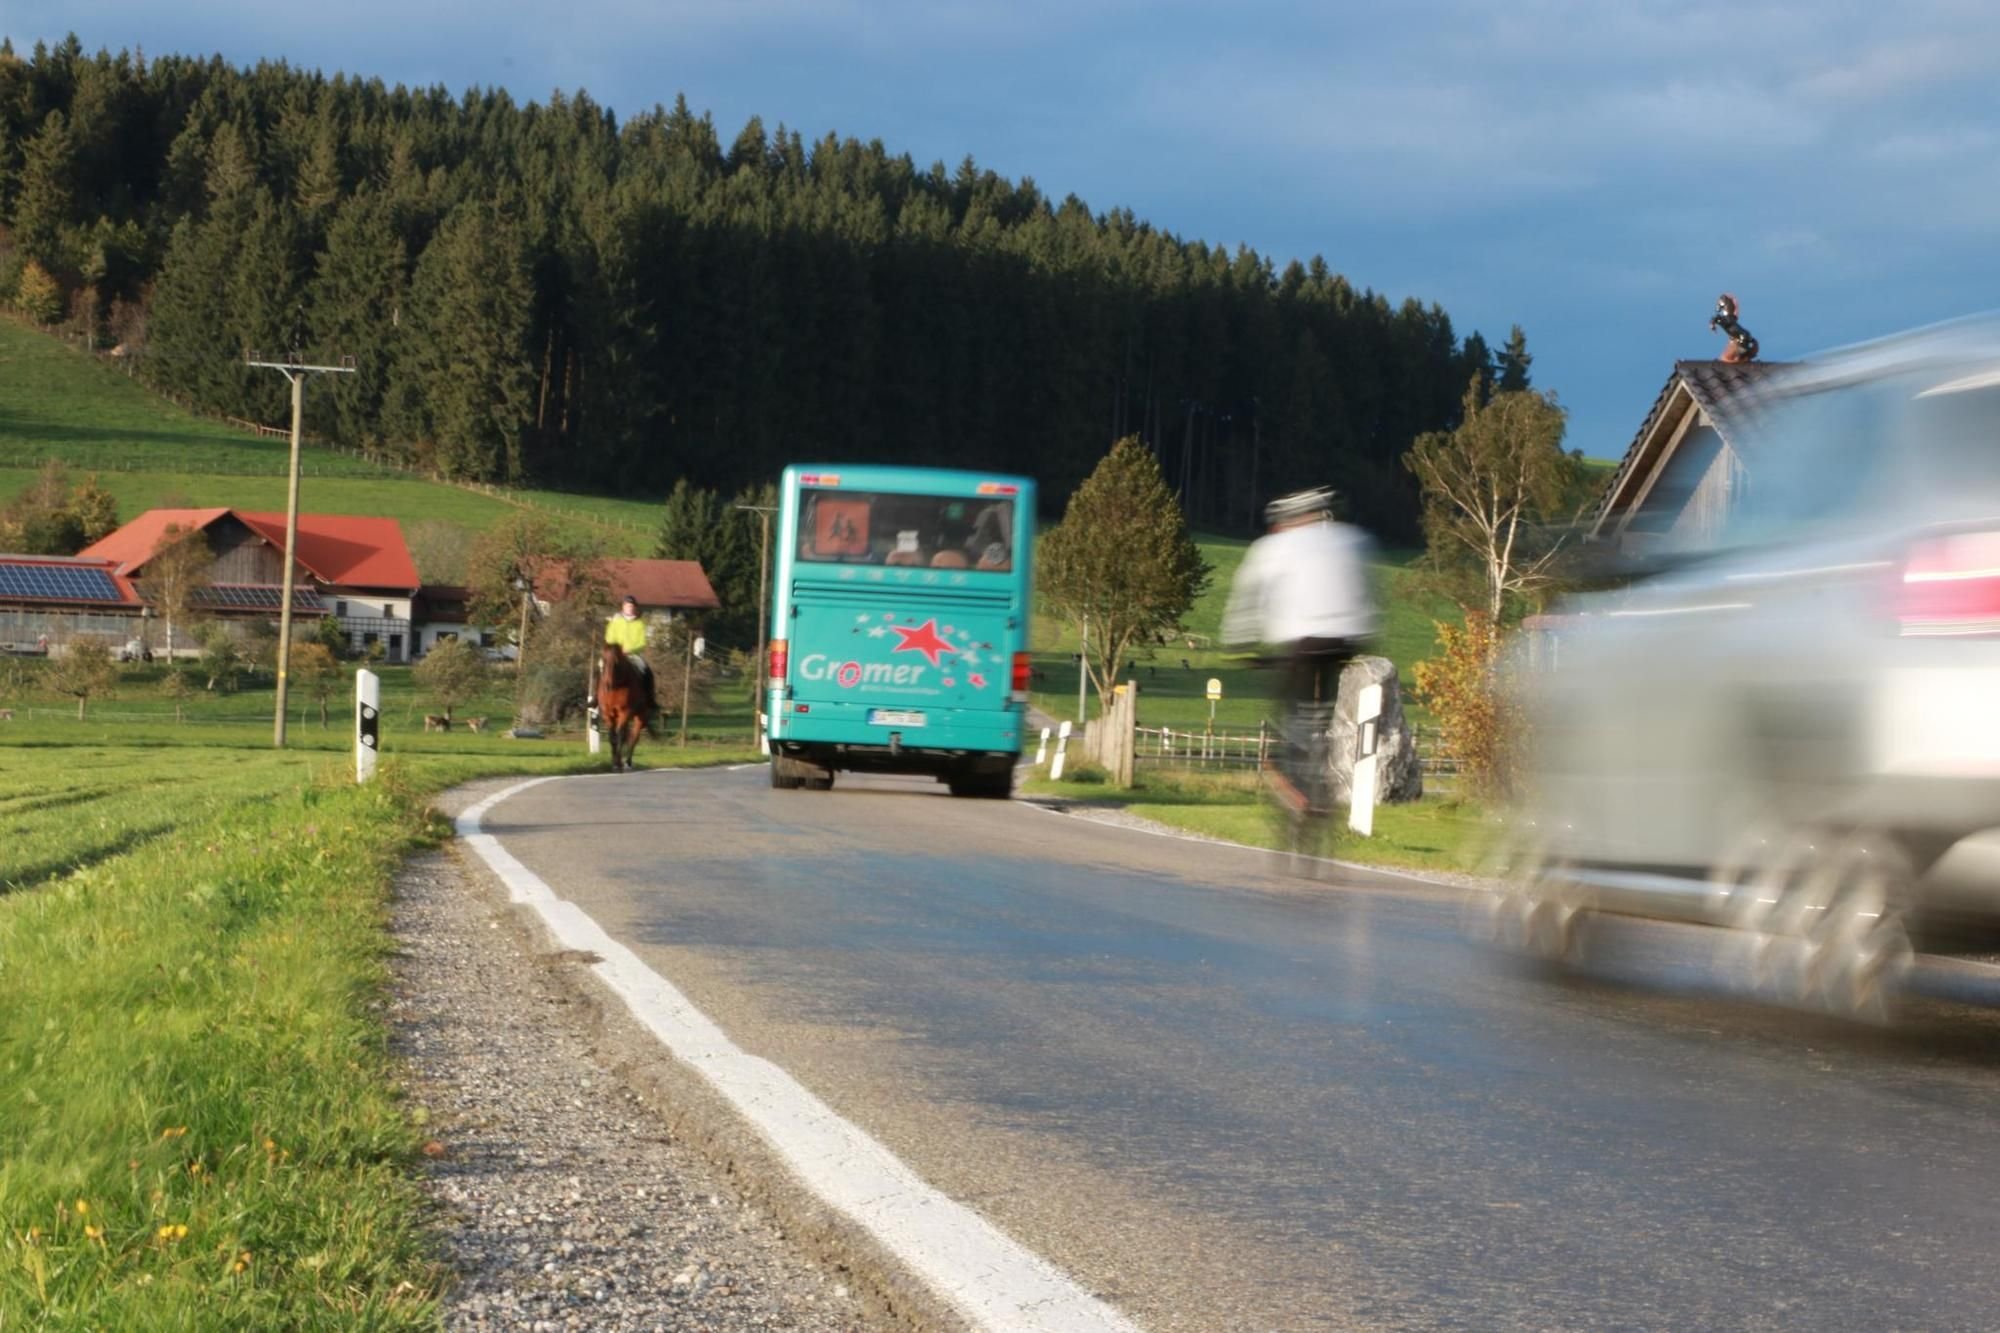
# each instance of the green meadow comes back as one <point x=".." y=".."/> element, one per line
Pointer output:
<point x="58" y="403"/>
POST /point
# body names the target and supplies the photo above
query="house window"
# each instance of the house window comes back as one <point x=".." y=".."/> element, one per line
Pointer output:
<point x="486" y="638"/>
<point x="340" y="608"/>
<point x="395" y="647"/>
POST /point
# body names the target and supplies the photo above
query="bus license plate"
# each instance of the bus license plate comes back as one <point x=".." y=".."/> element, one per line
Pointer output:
<point x="895" y="717"/>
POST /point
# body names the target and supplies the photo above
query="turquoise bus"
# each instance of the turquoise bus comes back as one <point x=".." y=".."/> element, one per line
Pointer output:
<point x="899" y="626"/>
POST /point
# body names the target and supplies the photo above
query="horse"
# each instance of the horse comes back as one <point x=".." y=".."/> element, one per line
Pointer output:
<point x="621" y="702"/>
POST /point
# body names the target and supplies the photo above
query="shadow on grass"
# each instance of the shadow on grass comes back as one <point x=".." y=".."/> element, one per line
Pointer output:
<point x="34" y="876"/>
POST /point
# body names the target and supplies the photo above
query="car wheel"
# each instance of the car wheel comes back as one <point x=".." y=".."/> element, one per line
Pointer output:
<point x="1821" y="923"/>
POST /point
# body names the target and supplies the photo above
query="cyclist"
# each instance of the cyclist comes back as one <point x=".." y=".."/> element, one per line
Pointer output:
<point x="1303" y="590"/>
<point x="628" y="630"/>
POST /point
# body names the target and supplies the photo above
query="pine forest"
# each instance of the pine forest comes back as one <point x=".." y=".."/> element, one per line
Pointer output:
<point x="546" y="292"/>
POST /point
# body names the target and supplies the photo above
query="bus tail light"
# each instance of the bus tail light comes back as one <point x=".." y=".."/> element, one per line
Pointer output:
<point x="781" y="660"/>
<point x="1022" y="673"/>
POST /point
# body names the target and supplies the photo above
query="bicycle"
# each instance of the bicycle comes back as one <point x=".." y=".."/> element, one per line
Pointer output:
<point x="1300" y="777"/>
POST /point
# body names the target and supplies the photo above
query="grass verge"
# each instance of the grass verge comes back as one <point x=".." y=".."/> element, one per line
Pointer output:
<point x="1435" y="833"/>
<point x="200" y="1115"/>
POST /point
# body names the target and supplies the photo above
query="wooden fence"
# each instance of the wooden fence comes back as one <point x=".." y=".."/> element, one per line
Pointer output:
<point x="1197" y="747"/>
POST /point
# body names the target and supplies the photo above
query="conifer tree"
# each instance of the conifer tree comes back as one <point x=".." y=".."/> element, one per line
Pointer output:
<point x="1514" y="361"/>
<point x="44" y="206"/>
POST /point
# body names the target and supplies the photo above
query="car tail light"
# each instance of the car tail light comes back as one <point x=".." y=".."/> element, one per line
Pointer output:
<point x="781" y="659"/>
<point x="1951" y="586"/>
<point x="1022" y="672"/>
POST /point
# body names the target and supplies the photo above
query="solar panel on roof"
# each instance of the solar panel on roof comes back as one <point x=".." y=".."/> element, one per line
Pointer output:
<point x="254" y="597"/>
<point x="57" y="583"/>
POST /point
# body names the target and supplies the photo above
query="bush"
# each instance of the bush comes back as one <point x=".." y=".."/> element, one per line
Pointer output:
<point x="1479" y="720"/>
<point x="550" y="694"/>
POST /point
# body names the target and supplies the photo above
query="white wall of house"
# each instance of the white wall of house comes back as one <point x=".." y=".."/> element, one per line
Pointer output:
<point x="374" y="617"/>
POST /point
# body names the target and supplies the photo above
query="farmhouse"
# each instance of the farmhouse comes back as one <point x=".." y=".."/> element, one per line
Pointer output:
<point x="355" y="569"/>
<point x="1690" y="462"/>
<point x="665" y="588"/>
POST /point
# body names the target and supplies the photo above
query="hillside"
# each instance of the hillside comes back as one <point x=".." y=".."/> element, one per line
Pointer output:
<point x="57" y="403"/>
<point x="550" y="293"/>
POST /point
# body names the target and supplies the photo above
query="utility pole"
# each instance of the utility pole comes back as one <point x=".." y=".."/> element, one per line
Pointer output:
<point x="295" y="370"/>
<point x="760" y="669"/>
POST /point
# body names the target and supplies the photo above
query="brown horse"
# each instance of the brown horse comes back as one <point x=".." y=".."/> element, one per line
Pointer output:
<point x="621" y="703"/>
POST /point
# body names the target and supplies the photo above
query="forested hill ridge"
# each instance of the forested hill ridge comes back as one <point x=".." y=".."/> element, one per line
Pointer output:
<point x="541" y="292"/>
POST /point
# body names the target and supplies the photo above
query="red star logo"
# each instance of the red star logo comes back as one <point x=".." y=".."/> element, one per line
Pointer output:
<point x="922" y="639"/>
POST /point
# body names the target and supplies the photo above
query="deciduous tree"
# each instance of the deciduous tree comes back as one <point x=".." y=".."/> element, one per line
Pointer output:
<point x="316" y="674"/>
<point x="37" y="295"/>
<point x="1491" y="489"/>
<point x="1121" y="558"/>
<point x="451" y="673"/>
<point x="84" y="670"/>
<point x="182" y="566"/>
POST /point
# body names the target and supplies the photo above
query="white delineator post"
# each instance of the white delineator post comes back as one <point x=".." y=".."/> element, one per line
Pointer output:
<point x="589" y="722"/>
<point x="1367" y="712"/>
<point x="1062" y="744"/>
<point x="367" y="723"/>
<point x="1042" y="750"/>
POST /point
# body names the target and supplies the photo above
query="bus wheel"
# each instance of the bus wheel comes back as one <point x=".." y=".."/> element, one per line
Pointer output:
<point x="785" y="774"/>
<point x="822" y="782"/>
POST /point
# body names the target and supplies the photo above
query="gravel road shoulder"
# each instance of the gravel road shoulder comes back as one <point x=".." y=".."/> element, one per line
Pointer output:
<point x="577" y="1187"/>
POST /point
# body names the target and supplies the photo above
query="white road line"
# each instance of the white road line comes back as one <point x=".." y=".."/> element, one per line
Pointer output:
<point x="991" y="1279"/>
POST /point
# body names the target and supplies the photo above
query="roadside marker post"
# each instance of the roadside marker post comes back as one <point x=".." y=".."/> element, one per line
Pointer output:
<point x="367" y="724"/>
<point x="1062" y="746"/>
<point x="1367" y="713"/>
<point x="1042" y="750"/>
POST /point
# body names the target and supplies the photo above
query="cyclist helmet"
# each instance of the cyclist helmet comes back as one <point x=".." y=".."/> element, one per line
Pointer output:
<point x="1300" y="504"/>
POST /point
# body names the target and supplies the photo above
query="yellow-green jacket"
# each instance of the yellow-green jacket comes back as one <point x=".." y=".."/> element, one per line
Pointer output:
<point x="627" y="634"/>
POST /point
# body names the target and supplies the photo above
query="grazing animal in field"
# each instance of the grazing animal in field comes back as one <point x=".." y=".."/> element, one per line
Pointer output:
<point x="6" y="715"/>
<point x="436" y="722"/>
<point x="621" y="703"/>
<point x="475" y="724"/>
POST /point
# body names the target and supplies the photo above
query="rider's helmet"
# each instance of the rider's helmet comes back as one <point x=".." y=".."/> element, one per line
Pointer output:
<point x="1300" y="504"/>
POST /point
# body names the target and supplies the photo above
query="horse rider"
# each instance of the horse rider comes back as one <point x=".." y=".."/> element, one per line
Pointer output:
<point x="1303" y="589"/>
<point x="628" y="631"/>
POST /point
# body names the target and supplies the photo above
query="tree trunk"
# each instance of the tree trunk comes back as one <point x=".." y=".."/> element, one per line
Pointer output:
<point x="81" y="700"/>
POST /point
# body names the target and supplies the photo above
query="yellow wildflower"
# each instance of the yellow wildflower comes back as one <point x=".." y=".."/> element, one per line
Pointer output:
<point x="95" y="1233"/>
<point x="173" y="1231"/>
<point x="81" y="1207"/>
<point x="174" y="1133"/>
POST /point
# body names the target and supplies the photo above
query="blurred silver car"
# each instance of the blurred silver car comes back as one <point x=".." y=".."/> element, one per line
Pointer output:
<point x="1791" y="727"/>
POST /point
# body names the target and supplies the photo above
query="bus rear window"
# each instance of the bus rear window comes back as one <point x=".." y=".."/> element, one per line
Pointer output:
<point x="887" y="528"/>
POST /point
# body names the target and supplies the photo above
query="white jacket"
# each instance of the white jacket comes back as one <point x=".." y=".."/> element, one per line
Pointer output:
<point x="1308" y="582"/>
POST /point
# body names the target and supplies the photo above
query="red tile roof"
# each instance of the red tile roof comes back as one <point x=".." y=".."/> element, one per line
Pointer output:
<point x="341" y="548"/>
<point x="335" y="548"/>
<point x="657" y="584"/>
<point x="132" y="545"/>
<point x="679" y="584"/>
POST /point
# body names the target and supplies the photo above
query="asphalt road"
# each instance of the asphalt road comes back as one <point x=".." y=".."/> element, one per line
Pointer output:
<point x="1224" y="1099"/>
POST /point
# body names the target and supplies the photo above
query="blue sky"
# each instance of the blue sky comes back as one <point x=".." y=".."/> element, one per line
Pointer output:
<point x="1595" y="171"/>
